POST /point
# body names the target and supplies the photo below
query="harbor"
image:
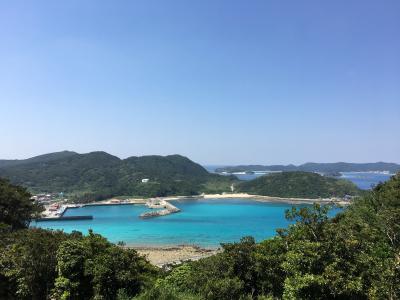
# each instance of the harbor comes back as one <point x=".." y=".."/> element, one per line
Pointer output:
<point x="159" y="206"/>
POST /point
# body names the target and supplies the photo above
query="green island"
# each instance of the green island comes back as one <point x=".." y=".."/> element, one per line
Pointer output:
<point x="298" y="185"/>
<point x="354" y="255"/>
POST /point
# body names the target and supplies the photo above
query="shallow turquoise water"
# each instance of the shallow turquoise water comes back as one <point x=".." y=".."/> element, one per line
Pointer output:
<point x="202" y="222"/>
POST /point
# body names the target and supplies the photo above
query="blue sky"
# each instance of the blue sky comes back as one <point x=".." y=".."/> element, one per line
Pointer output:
<point x="222" y="82"/>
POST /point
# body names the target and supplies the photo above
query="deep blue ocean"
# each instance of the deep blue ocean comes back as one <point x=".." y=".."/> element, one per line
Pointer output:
<point x="201" y="222"/>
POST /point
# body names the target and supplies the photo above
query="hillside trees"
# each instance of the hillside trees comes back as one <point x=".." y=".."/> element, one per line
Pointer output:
<point x="16" y="207"/>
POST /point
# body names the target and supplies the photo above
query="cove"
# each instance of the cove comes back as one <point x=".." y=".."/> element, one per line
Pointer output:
<point x="202" y="222"/>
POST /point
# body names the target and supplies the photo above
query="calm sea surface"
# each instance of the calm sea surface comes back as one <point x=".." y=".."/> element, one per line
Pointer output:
<point x="202" y="222"/>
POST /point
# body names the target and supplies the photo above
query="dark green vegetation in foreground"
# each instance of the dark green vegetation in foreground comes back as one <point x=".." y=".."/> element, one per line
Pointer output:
<point x="298" y="184"/>
<point x="355" y="255"/>
<point x="99" y="175"/>
<point x="42" y="264"/>
<point x="328" y="168"/>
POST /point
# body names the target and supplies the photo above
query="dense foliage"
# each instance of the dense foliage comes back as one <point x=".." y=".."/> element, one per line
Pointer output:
<point x="99" y="175"/>
<point x="39" y="264"/>
<point x="317" y="167"/>
<point x="298" y="184"/>
<point x="16" y="207"/>
<point x="355" y="255"/>
<point x="42" y="264"/>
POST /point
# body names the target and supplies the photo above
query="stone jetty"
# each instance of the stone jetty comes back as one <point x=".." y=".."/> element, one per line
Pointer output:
<point x="163" y="208"/>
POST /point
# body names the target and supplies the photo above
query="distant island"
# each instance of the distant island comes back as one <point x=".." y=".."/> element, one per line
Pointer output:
<point x="298" y="184"/>
<point x="324" y="168"/>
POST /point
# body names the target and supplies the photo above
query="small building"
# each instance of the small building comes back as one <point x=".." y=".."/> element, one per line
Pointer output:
<point x="145" y="180"/>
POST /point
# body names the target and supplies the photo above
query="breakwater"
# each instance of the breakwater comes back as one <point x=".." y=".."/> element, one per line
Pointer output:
<point x="164" y="208"/>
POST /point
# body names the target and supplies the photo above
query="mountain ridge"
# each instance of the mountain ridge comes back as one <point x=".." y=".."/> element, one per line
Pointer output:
<point x="99" y="175"/>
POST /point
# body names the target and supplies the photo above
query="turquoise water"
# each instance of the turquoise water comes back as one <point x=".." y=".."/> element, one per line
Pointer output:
<point x="201" y="222"/>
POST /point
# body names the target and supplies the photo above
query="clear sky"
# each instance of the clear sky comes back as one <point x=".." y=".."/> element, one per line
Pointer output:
<point x="222" y="82"/>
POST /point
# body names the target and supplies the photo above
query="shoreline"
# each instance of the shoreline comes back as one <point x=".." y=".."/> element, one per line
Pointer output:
<point x="143" y="201"/>
<point x="289" y="200"/>
<point x="161" y="256"/>
<point x="260" y="198"/>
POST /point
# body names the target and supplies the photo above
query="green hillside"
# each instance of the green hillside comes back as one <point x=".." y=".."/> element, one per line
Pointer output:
<point x="99" y="175"/>
<point x="37" y="159"/>
<point x="298" y="185"/>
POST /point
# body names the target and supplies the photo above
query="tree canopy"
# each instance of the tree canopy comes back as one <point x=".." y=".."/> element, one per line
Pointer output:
<point x="16" y="206"/>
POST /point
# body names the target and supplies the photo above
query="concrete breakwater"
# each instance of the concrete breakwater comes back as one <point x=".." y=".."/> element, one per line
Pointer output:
<point x="164" y="208"/>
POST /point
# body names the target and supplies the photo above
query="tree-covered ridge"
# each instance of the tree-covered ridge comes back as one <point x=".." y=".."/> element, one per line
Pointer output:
<point x="41" y="158"/>
<point x="99" y="175"/>
<point x="298" y="185"/>
<point x="317" y="167"/>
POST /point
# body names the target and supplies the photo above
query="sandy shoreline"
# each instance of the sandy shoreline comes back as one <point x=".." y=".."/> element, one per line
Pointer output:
<point x="276" y="199"/>
<point x="161" y="256"/>
<point x="259" y="198"/>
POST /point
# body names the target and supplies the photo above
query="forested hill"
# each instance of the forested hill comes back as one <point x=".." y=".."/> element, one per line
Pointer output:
<point x="317" y="167"/>
<point x="98" y="175"/>
<point x="298" y="185"/>
<point x="37" y="159"/>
